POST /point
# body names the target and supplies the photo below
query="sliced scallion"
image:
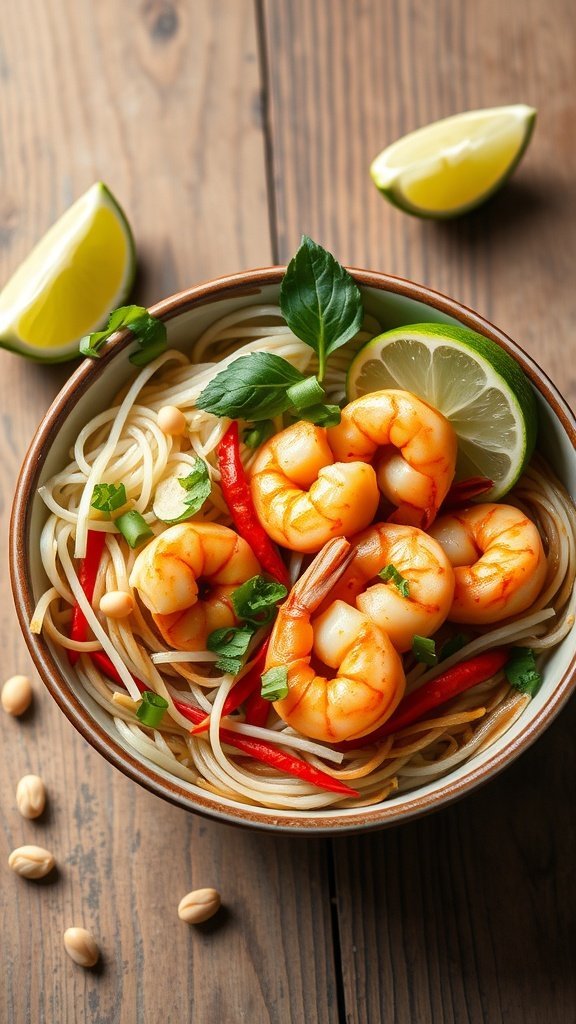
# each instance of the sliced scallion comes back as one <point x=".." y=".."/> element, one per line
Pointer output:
<point x="151" y="710"/>
<point x="133" y="528"/>
<point x="424" y="650"/>
<point x="275" y="683"/>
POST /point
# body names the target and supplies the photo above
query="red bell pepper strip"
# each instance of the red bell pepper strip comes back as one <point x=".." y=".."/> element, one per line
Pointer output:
<point x="242" y="689"/>
<point x="437" y="692"/>
<point x="257" y="749"/>
<point x="237" y="495"/>
<point x="87" y="574"/>
<point x="257" y="709"/>
<point x="463" y="492"/>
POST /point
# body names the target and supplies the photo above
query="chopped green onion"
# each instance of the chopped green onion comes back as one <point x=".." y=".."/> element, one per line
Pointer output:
<point x="231" y="643"/>
<point x="133" y="528"/>
<point x="322" y="415"/>
<point x="151" y="710"/>
<point x="521" y="671"/>
<point x="424" y="650"/>
<point x="390" y="572"/>
<point x="255" y="600"/>
<point x="275" y="683"/>
<point x="306" y="393"/>
<point x="108" y="497"/>
<point x="257" y="433"/>
<point x="453" y="645"/>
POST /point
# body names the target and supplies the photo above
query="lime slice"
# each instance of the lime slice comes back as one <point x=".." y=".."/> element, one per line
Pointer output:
<point x="80" y="270"/>
<point x="452" y="165"/>
<point x="471" y="380"/>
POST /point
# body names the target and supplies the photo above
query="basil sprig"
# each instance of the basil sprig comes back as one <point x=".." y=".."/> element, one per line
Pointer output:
<point x="255" y="600"/>
<point x="322" y="305"/>
<point x="149" y="332"/>
<point x="320" y="301"/>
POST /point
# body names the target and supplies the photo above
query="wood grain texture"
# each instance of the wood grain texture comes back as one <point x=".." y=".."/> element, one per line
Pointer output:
<point x="162" y="101"/>
<point x="467" y="916"/>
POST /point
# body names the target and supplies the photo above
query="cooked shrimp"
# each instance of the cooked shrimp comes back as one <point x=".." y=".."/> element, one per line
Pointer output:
<point x="413" y="445"/>
<point x="185" y="577"/>
<point x="369" y="680"/>
<point x="422" y="564"/>
<point x="498" y="558"/>
<point x="302" y="497"/>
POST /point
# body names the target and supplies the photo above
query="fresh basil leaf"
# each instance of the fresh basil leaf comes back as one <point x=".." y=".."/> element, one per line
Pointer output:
<point x="149" y="332"/>
<point x="322" y="415"/>
<point x="253" y="387"/>
<point x="390" y="572"/>
<point x="108" y="497"/>
<point x="275" y="683"/>
<point x="257" y="433"/>
<point x="521" y="672"/>
<point x="255" y="600"/>
<point x="231" y="643"/>
<point x="320" y="301"/>
<point x="197" y="486"/>
<point x="424" y="650"/>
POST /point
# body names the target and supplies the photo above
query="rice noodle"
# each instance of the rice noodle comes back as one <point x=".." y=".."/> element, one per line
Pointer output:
<point x="125" y="443"/>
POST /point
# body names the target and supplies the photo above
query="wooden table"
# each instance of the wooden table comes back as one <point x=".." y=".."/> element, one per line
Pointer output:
<point x="227" y="128"/>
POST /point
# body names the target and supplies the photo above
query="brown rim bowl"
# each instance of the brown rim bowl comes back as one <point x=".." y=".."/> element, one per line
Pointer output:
<point x="91" y="387"/>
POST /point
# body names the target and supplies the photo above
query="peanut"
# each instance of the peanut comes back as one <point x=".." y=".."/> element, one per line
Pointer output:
<point x="199" y="905"/>
<point x="81" y="946"/>
<point x="31" y="861"/>
<point x="16" y="695"/>
<point x="31" y="796"/>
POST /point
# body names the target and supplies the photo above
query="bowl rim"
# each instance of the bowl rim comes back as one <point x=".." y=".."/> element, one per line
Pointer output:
<point x="365" y="819"/>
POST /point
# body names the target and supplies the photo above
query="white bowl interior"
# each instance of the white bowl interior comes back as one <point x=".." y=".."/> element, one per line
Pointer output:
<point x="391" y="310"/>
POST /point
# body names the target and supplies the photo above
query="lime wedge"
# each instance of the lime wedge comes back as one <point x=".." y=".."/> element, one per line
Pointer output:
<point x="78" y="272"/>
<point x="450" y="166"/>
<point x="471" y="380"/>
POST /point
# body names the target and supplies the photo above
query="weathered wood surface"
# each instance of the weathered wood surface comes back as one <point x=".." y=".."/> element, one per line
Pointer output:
<point x="227" y="129"/>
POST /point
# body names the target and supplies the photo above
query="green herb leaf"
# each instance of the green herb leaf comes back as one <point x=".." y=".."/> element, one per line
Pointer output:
<point x="133" y="528"/>
<point x="253" y="387"/>
<point x="275" y="683"/>
<point x="521" y="672"/>
<point x="257" y="433"/>
<point x="390" y="572"/>
<point x="255" y="601"/>
<point x="152" y="708"/>
<point x="424" y="650"/>
<point x="197" y="486"/>
<point x="231" y="643"/>
<point x="453" y="645"/>
<point x="320" y="301"/>
<point x="322" y="415"/>
<point x="108" y="497"/>
<point x="149" y="332"/>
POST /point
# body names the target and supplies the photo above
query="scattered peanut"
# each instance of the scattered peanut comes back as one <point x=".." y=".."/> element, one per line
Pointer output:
<point x="81" y="946"/>
<point x="117" y="604"/>
<point x="16" y="695"/>
<point x="199" y="905"/>
<point x="31" y="861"/>
<point x="171" y="420"/>
<point x="31" y="796"/>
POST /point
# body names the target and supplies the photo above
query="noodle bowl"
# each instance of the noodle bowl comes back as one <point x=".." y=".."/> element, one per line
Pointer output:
<point x="404" y="775"/>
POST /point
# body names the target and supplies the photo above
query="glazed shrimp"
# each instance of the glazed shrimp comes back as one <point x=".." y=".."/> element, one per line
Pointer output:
<point x="302" y="498"/>
<point x="422" y="564"/>
<point x="185" y="577"/>
<point x="413" y="445"/>
<point x="498" y="558"/>
<point x="369" y="680"/>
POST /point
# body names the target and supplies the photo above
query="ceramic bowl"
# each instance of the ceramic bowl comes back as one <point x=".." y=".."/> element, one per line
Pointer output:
<point x="395" y="302"/>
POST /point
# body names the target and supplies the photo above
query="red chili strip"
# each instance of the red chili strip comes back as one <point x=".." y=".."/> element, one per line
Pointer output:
<point x="87" y="574"/>
<point x="236" y="491"/>
<point x="437" y="692"/>
<point x="465" y="490"/>
<point x="260" y="751"/>
<point x="257" y="709"/>
<point x="243" y="689"/>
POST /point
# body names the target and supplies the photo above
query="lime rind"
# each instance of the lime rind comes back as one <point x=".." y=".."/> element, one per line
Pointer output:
<point x="388" y="178"/>
<point x="474" y="382"/>
<point x="36" y="272"/>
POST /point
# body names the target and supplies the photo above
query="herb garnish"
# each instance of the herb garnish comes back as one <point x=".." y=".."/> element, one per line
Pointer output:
<point x="255" y="600"/>
<point x="150" y="333"/>
<point x="390" y="572"/>
<point x="108" y="497"/>
<point x="231" y="643"/>
<point x="521" y="672"/>
<point x="322" y="305"/>
<point x="197" y="486"/>
<point x="424" y="650"/>
<point x="275" y="683"/>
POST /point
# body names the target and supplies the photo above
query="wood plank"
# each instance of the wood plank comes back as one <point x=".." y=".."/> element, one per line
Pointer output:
<point x="467" y="915"/>
<point x="161" y="100"/>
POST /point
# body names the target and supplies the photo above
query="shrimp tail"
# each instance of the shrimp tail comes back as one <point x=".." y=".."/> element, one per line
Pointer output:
<point x="320" y="577"/>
